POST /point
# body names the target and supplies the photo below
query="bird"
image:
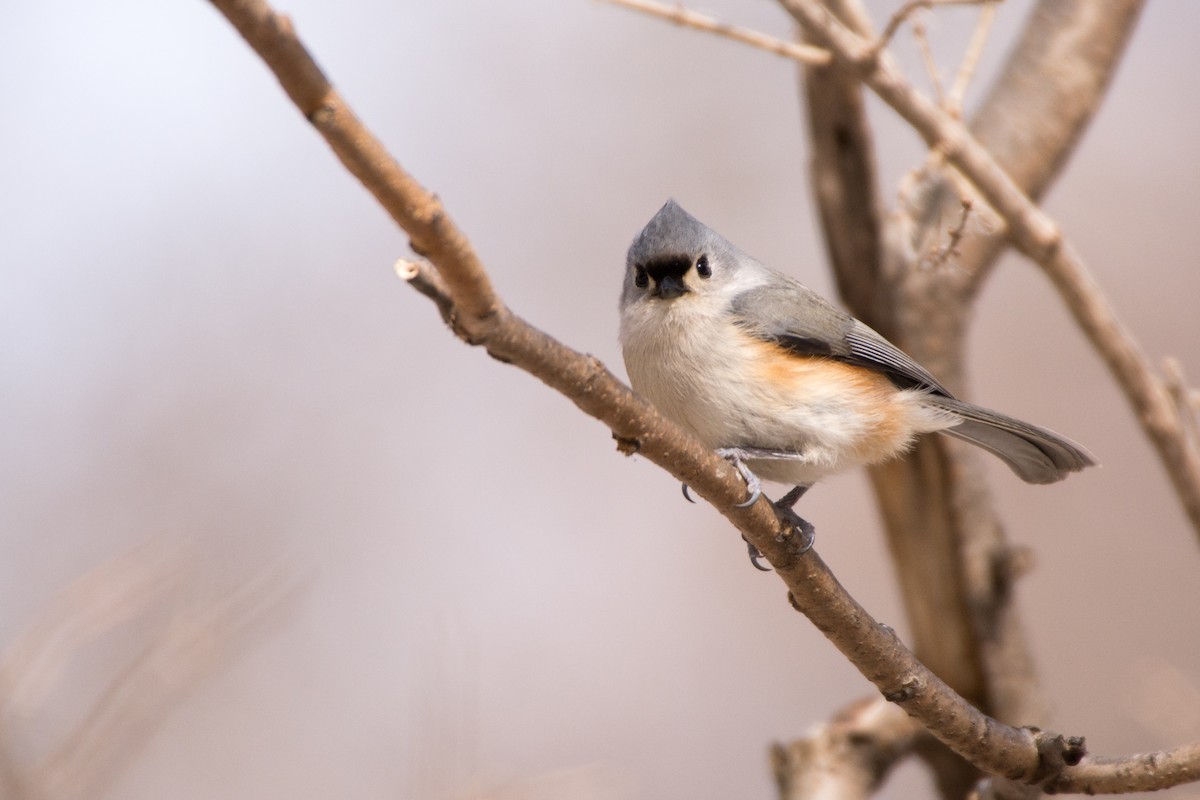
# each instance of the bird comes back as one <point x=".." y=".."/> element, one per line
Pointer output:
<point x="784" y="384"/>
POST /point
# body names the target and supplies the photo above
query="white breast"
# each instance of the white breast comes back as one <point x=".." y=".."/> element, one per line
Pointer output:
<point x="679" y="356"/>
<point x="724" y="386"/>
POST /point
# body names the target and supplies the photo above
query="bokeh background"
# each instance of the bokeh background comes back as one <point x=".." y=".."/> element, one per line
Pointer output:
<point x="203" y="344"/>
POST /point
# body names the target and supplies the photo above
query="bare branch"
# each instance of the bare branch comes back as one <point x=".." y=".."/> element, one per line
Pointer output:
<point x="966" y="70"/>
<point x="1146" y="772"/>
<point x="422" y="276"/>
<point x="942" y="254"/>
<point x="692" y="19"/>
<point x="874" y="649"/>
<point x="1057" y="73"/>
<point x="931" y="68"/>
<point x="414" y="209"/>
<point x="639" y="427"/>
<point x="849" y="756"/>
<point x="907" y="10"/>
<point x="1037" y="237"/>
<point x="940" y="522"/>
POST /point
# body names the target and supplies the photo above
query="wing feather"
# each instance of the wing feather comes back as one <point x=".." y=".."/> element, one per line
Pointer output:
<point x="791" y="315"/>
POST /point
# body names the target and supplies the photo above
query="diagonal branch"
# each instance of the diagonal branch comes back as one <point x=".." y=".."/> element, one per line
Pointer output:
<point x="413" y="208"/>
<point x="1058" y="74"/>
<point x="873" y="648"/>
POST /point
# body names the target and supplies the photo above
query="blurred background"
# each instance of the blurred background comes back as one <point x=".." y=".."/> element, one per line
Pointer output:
<point x="208" y="370"/>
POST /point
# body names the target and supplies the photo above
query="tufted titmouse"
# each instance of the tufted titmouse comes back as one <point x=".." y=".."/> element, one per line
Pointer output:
<point x="763" y="370"/>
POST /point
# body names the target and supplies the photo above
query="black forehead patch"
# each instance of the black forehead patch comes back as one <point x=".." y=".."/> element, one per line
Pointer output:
<point x="668" y="267"/>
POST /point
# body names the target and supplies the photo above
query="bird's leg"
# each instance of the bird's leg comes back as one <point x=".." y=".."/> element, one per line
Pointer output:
<point x="783" y="509"/>
<point x="783" y="506"/>
<point x="790" y="499"/>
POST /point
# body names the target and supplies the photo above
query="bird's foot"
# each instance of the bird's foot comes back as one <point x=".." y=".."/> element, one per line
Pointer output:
<point x="783" y="506"/>
<point x="734" y="455"/>
<point x="795" y="525"/>
<point x="755" y="555"/>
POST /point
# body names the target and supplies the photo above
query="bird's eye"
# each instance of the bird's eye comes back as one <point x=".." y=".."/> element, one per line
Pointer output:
<point x="703" y="268"/>
<point x="640" y="278"/>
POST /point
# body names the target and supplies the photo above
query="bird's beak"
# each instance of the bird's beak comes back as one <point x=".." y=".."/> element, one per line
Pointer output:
<point x="670" y="287"/>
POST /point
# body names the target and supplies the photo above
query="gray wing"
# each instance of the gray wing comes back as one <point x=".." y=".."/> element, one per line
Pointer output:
<point x="798" y="319"/>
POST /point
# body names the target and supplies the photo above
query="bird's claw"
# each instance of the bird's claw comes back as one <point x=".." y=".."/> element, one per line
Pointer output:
<point x="798" y="525"/>
<point x="783" y="507"/>
<point x="755" y="555"/>
<point x="753" y="484"/>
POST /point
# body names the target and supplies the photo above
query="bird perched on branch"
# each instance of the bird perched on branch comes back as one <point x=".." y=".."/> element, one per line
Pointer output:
<point x="785" y="385"/>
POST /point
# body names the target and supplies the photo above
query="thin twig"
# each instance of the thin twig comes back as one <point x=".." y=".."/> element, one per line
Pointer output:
<point x="805" y="54"/>
<point x="966" y="70"/>
<point x="955" y="235"/>
<point x="95" y="603"/>
<point x="423" y="277"/>
<point x="935" y="78"/>
<point x="907" y="10"/>
<point x="1057" y="72"/>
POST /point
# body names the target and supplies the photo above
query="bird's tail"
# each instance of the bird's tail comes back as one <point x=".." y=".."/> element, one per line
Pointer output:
<point x="1035" y="454"/>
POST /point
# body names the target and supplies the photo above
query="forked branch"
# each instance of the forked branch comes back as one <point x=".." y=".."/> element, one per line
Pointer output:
<point x="1038" y="237"/>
